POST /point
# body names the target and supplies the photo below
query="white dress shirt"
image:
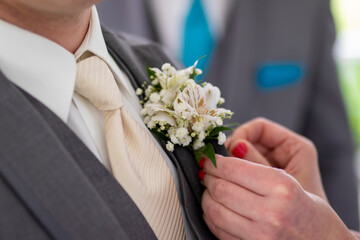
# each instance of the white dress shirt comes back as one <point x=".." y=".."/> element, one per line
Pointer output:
<point x="170" y="16"/>
<point x="47" y="71"/>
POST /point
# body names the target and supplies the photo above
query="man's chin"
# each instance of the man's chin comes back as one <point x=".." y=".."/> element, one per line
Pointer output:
<point x="53" y="6"/>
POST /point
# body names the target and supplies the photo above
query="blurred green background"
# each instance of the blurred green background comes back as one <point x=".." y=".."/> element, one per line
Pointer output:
<point x="347" y="55"/>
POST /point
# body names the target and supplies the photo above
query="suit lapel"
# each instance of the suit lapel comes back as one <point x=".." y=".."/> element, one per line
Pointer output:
<point x="106" y="185"/>
<point x="44" y="175"/>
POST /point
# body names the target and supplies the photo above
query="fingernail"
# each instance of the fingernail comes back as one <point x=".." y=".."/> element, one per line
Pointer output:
<point x="240" y="150"/>
<point x="202" y="163"/>
<point x="201" y="175"/>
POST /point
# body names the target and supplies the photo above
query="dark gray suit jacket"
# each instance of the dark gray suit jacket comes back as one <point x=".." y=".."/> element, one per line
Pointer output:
<point x="52" y="187"/>
<point x="276" y="31"/>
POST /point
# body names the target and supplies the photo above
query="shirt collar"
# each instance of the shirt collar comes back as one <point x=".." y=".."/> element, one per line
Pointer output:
<point x="46" y="70"/>
<point x="39" y="66"/>
<point x="94" y="42"/>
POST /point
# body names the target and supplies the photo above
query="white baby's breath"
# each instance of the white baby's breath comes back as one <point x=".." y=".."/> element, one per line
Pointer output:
<point x="155" y="97"/>
<point x="170" y="146"/>
<point x="143" y="112"/>
<point x="181" y="133"/>
<point x="149" y="90"/>
<point x="139" y="91"/>
<point x="198" y="126"/>
<point x="221" y="138"/>
<point x="198" y="144"/>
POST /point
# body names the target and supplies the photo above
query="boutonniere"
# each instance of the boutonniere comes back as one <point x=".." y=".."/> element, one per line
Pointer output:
<point x="182" y="111"/>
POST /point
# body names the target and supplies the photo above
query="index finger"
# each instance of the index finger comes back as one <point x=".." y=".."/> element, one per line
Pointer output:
<point x="264" y="132"/>
<point x="254" y="177"/>
<point x="278" y="144"/>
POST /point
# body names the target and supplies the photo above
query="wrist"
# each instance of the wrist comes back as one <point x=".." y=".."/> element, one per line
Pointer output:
<point x="333" y="228"/>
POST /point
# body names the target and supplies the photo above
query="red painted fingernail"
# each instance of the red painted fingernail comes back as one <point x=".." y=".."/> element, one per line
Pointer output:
<point x="201" y="175"/>
<point x="202" y="163"/>
<point x="240" y="150"/>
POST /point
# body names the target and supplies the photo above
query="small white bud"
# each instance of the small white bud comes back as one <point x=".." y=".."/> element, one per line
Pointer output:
<point x="143" y="112"/>
<point x="139" y="91"/>
<point x="155" y="82"/>
<point x="221" y="101"/>
<point x="221" y="138"/>
<point x="170" y="146"/>
<point x="219" y="122"/>
<point x="151" y="124"/>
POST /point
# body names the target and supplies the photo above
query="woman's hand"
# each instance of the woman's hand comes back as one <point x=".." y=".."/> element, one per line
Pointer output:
<point x="275" y="193"/>
<point x="265" y="142"/>
<point x="245" y="200"/>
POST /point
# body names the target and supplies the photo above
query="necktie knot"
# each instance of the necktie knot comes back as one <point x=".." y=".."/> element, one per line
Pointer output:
<point x="95" y="81"/>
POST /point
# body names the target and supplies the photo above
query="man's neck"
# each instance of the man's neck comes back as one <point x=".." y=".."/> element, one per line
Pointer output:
<point x="68" y="30"/>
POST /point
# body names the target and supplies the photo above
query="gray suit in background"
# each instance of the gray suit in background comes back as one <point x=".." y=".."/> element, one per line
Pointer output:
<point x="261" y="32"/>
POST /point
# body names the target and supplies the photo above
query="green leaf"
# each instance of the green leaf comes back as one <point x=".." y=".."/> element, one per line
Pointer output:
<point x="150" y="73"/>
<point x="207" y="150"/>
<point x="232" y="125"/>
<point x="210" y="153"/>
<point x="217" y="130"/>
<point x="198" y="155"/>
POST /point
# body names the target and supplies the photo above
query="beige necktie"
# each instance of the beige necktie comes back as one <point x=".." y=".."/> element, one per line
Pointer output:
<point x="135" y="160"/>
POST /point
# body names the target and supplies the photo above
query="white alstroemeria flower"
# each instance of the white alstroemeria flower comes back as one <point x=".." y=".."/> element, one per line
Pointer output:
<point x="185" y="112"/>
<point x="158" y="72"/>
<point x="180" y="107"/>
<point x="163" y="117"/>
<point x="168" y="97"/>
<point x="193" y="98"/>
<point x="190" y="70"/>
<point x="162" y="92"/>
<point x="212" y="95"/>
<point x="221" y="138"/>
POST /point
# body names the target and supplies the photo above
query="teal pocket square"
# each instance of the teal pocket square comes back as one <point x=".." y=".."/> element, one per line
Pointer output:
<point x="273" y="75"/>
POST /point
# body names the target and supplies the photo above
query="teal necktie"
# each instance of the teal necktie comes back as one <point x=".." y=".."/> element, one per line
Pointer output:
<point x="198" y="40"/>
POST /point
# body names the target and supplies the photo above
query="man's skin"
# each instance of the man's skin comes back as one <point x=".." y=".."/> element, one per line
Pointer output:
<point x="243" y="200"/>
<point x="64" y="22"/>
<point x="253" y="199"/>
